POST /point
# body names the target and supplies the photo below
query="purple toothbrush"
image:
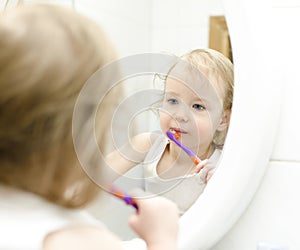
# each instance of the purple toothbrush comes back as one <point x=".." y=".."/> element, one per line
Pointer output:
<point x="189" y="152"/>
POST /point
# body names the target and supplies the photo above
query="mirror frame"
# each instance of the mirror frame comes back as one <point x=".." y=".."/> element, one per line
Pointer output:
<point x="252" y="132"/>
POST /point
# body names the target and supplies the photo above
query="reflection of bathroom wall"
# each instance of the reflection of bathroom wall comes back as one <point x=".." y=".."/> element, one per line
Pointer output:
<point x="179" y="25"/>
<point x="128" y="23"/>
<point x="219" y="38"/>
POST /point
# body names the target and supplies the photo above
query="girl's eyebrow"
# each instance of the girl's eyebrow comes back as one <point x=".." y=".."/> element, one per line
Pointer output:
<point x="170" y="92"/>
<point x="195" y="98"/>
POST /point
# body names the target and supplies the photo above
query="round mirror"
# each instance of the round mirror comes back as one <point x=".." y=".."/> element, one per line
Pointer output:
<point x="178" y="27"/>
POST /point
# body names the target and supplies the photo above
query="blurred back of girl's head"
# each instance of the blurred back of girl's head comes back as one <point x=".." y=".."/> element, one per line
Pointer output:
<point x="47" y="54"/>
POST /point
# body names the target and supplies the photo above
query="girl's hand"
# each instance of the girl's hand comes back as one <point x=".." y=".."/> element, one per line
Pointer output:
<point x="201" y="165"/>
<point x="156" y="221"/>
<point x="206" y="169"/>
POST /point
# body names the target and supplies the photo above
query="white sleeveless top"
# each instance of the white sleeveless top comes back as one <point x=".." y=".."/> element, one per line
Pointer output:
<point x="183" y="190"/>
<point x="25" y="219"/>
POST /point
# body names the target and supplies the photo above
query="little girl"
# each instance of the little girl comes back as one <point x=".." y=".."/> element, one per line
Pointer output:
<point x="47" y="54"/>
<point x="196" y="106"/>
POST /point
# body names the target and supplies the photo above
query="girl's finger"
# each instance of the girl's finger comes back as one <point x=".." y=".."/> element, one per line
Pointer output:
<point x="200" y="166"/>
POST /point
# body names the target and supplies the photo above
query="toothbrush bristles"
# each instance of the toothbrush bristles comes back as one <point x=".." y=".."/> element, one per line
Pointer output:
<point x="175" y="134"/>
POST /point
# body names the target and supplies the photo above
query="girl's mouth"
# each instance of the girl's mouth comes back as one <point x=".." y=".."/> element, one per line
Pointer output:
<point x="177" y="132"/>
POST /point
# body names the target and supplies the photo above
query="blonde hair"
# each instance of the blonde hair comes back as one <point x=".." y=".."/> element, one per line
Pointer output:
<point x="47" y="54"/>
<point x="219" y="70"/>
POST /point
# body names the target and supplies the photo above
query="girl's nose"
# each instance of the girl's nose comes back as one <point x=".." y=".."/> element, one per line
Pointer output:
<point x="180" y="117"/>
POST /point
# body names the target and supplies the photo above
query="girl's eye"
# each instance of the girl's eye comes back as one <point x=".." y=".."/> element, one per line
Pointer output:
<point x="172" y="101"/>
<point x="198" y="107"/>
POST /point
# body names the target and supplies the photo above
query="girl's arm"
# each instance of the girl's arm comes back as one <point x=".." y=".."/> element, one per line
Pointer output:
<point x="131" y="154"/>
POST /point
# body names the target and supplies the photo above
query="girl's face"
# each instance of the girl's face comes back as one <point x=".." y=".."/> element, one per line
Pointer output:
<point x="195" y="114"/>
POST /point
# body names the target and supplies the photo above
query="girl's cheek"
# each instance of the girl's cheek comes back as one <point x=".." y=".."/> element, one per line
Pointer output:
<point x="164" y="121"/>
<point x="204" y="129"/>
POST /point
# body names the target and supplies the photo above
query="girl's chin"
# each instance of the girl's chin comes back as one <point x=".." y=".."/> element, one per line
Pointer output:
<point x="191" y="145"/>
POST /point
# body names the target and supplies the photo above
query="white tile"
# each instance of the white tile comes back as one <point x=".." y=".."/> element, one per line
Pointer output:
<point x="134" y="10"/>
<point x="165" y="13"/>
<point x="184" y="12"/>
<point x="193" y="12"/>
<point x="193" y="37"/>
<point x="286" y="3"/>
<point x="287" y="143"/>
<point x="273" y="215"/>
<point x="287" y="58"/>
<point x="165" y="40"/>
<point x="6" y="4"/>
<point x="179" y="40"/>
<point x="129" y="37"/>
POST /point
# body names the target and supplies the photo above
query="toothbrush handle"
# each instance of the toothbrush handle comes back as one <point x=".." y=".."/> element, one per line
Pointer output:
<point x="123" y="196"/>
<point x="191" y="154"/>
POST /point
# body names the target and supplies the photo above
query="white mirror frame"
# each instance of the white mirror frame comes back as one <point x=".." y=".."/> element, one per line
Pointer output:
<point x="252" y="129"/>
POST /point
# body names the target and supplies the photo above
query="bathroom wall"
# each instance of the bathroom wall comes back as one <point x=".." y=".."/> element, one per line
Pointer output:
<point x="139" y="26"/>
<point x="273" y="215"/>
<point x="179" y="26"/>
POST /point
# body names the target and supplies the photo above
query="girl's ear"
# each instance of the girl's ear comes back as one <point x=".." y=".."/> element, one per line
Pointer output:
<point x="225" y="119"/>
